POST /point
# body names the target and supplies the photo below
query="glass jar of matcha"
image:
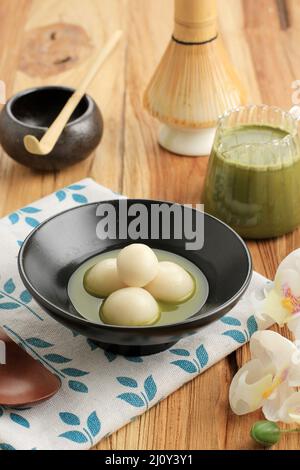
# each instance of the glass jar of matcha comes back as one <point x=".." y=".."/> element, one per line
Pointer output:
<point x="253" y="176"/>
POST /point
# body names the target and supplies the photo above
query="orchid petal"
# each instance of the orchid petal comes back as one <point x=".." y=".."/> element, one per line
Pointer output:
<point x="247" y="387"/>
<point x="293" y="377"/>
<point x="273" y="404"/>
<point x="274" y="308"/>
<point x="292" y="261"/>
<point x="288" y="277"/>
<point x="270" y="348"/>
<point x="294" y="325"/>
<point x="258" y="303"/>
<point x="290" y="409"/>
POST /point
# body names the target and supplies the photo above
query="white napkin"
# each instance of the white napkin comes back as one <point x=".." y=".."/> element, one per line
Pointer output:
<point x="100" y="391"/>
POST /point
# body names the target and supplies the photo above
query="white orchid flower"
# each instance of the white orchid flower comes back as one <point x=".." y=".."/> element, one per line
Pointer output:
<point x="267" y="380"/>
<point x="282" y="300"/>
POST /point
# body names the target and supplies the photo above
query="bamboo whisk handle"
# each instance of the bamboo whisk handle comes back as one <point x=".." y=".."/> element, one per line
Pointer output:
<point x="195" y="20"/>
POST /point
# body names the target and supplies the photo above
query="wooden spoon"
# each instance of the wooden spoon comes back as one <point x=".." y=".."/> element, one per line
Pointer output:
<point x="49" y="139"/>
<point x="23" y="380"/>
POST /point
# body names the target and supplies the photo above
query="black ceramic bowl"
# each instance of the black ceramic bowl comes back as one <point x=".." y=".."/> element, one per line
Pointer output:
<point x="55" y="249"/>
<point x="32" y="111"/>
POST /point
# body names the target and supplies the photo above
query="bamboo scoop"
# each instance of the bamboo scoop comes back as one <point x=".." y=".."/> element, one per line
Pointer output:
<point x="49" y="139"/>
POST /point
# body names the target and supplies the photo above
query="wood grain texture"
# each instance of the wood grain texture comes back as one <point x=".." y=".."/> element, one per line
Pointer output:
<point x="265" y="49"/>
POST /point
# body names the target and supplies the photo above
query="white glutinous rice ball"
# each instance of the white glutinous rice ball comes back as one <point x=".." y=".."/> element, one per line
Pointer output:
<point x="137" y="265"/>
<point x="131" y="306"/>
<point x="103" y="279"/>
<point x="172" y="283"/>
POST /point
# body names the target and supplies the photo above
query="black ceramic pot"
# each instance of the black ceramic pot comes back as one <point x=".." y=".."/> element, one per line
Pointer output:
<point x="55" y="249"/>
<point x="32" y="111"/>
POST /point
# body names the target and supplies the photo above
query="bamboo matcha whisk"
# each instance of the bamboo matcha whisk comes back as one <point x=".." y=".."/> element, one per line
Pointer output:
<point x="194" y="83"/>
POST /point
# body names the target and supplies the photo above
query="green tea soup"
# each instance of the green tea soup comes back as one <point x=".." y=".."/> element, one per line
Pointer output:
<point x="253" y="180"/>
<point x="91" y="306"/>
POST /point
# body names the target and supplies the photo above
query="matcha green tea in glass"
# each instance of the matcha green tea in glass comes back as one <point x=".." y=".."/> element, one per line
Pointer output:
<point x="253" y="176"/>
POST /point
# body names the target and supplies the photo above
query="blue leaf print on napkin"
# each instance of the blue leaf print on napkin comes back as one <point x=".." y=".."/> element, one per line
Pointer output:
<point x="252" y="325"/>
<point x="26" y="297"/>
<point x="231" y="321"/>
<point x="79" y="198"/>
<point x="93" y="424"/>
<point x="69" y="418"/>
<point x="61" y="195"/>
<point x="75" y="436"/>
<point x="237" y="335"/>
<point x="127" y="382"/>
<point x="9" y="287"/>
<point x="76" y="187"/>
<point x="16" y="418"/>
<point x="142" y="398"/>
<point x="133" y="358"/>
<point x="195" y="364"/>
<point x="30" y="210"/>
<point x="38" y="343"/>
<point x="4" y="446"/>
<point x="132" y="398"/>
<point x="9" y="306"/>
<point x="14" y="218"/>
<point x="180" y="352"/>
<point x="73" y="372"/>
<point x="84" y="435"/>
<point x="17" y="301"/>
<point x="110" y="356"/>
<point x="31" y="222"/>
<point x="187" y="366"/>
<point x="57" y="358"/>
<point x="202" y="355"/>
<point x="78" y="386"/>
<point x="150" y="387"/>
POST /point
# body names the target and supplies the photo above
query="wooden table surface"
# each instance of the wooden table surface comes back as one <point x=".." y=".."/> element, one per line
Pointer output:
<point x="263" y="44"/>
